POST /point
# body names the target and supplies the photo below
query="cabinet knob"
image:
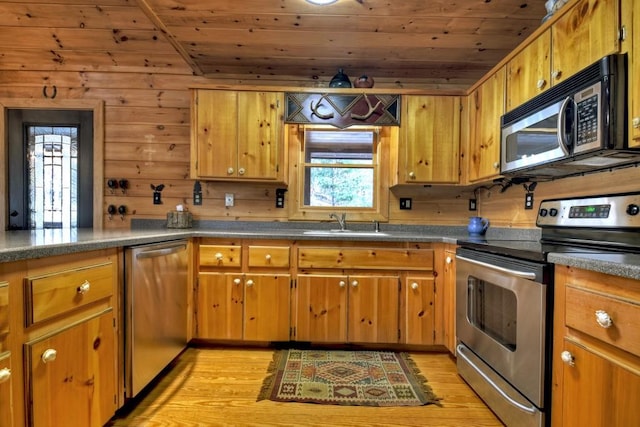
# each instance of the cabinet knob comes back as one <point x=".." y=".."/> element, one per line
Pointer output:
<point x="49" y="355"/>
<point x="448" y="260"/>
<point x="636" y="122"/>
<point x="603" y="319"/>
<point x="250" y="283"/>
<point x="541" y="84"/>
<point x="84" y="288"/>
<point x="414" y="286"/>
<point x="230" y="171"/>
<point x="237" y="281"/>
<point x="556" y="74"/>
<point x="567" y="358"/>
<point x="219" y="256"/>
<point x="5" y="374"/>
<point x="241" y="171"/>
<point x="342" y="283"/>
<point x="412" y="175"/>
<point x="496" y="165"/>
<point x="268" y="257"/>
<point x="354" y="283"/>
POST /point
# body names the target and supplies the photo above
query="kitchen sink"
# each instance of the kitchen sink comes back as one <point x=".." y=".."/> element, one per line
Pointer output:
<point x="344" y="233"/>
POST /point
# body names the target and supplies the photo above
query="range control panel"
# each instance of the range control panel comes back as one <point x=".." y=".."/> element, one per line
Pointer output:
<point x="608" y="211"/>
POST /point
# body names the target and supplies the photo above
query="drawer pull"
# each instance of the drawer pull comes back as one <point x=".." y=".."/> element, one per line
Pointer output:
<point x="342" y="284"/>
<point x="603" y="319"/>
<point x="414" y="286"/>
<point x="236" y="281"/>
<point x="84" y="288"/>
<point x="5" y="374"/>
<point x="268" y="257"/>
<point x="49" y="355"/>
<point x="568" y="358"/>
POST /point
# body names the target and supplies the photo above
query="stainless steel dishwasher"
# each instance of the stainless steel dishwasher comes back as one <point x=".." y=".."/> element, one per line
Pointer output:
<point x="155" y="310"/>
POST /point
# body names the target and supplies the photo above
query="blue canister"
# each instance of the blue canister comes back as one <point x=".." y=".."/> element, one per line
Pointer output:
<point x="477" y="226"/>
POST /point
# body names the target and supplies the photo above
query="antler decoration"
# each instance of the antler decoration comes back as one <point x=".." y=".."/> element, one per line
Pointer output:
<point x="372" y="109"/>
<point x="317" y="113"/>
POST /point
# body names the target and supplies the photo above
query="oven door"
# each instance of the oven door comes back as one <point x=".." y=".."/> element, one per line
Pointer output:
<point x="501" y="313"/>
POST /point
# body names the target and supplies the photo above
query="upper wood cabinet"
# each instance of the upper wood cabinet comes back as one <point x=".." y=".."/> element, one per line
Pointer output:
<point x="429" y="146"/>
<point x="588" y="31"/>
<point x="237" y="135"/>
<point x="485" y="108"/>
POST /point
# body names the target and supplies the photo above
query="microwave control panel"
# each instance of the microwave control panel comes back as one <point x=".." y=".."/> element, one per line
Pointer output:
<point x="588" y="116"/>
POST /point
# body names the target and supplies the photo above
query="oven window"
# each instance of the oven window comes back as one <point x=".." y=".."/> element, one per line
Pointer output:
<point x="493" y="310"/>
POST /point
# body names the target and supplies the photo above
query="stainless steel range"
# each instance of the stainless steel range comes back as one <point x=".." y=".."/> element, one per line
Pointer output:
<point x="504" y="292"/>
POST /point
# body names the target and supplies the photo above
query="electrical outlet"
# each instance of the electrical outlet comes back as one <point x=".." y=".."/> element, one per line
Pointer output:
<point x="228" y="200"/>
<point x="473" y="205"/>
<point x="405" y="203"/>
<point x="528" y="201"/>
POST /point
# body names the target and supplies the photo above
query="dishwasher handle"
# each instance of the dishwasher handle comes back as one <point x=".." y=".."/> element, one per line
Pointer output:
<point x="154" y="253"/>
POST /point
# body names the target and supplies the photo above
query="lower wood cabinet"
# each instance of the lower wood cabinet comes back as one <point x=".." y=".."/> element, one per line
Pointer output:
<point x="419" y="313"/>
<point x="237" y="306"/>
<point x="6" y="393"/>
<point x="347" y="308"/>
<point x="596" y="355"/>
<point x="70" y="375"/>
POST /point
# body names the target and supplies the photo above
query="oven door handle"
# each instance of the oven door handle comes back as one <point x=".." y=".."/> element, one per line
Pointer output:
<point x="530" y="409"/>
<point x="522" y="274"/>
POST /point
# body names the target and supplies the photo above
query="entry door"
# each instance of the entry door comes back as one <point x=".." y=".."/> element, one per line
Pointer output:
<point x="50" y="169"/>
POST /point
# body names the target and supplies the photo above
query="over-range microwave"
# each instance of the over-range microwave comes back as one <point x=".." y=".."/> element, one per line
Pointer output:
<point x="577" y="126"/>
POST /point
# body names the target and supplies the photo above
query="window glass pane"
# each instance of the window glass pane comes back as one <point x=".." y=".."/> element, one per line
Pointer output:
<point x="53" y="176"/>
<point x="345" y="187"/>
<point x="329" y="179"/>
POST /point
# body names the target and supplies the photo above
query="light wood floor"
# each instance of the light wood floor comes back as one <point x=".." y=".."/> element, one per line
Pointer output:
<point x="219" y="387"/>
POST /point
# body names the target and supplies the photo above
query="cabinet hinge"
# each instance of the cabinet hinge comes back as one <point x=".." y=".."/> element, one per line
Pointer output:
<point x="622" y="33"/>
<point x="292" y="332"/>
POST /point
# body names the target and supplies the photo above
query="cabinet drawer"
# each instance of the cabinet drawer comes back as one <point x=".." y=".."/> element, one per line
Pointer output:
<point x="268" y="256"/>
<point x="53" y="294"/>
<point x="366" y="258"/>
<point x="220" y="255"/>
<point x="4" y="308"/>
<point x="623" y="333"/>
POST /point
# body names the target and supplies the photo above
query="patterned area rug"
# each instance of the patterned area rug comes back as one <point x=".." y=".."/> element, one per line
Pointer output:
<point x="359" y="378"/>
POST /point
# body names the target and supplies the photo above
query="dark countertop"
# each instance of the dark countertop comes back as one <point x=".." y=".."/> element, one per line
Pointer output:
<point x="18" y="245"/>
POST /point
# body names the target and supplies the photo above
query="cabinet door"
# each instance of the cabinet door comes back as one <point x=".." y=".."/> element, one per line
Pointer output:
<point x="529" y="71"/>
<point x="266" y="307"/>
<point x="597" y="391"/>
<point x="220" y="306"/>
<point x="586" y="33"/>
<point x="71" y="377"/>
<point x="321" y="308"/>
<point x="430" y="140"/>
<point x="419" y="294"/>
<point x="215" y="142"/>
<point x="634" y="76"/>
<point x="373" y="309"/>
<point x="6" y="402"/>
<point x="260" y="132"/>
<point x="486" y="108"/>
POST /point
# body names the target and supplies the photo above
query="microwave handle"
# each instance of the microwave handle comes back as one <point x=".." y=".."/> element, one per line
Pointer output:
<point x="562" y="118"/>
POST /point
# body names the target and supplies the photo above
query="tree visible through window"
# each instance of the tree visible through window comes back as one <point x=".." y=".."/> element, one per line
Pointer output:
<point x="340" y="167"/>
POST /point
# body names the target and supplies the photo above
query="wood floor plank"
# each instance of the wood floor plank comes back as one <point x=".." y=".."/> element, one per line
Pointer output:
<point x="219" y="387"/>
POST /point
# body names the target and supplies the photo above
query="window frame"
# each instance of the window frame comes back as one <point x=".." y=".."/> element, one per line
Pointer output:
<point x="298" y="211"/>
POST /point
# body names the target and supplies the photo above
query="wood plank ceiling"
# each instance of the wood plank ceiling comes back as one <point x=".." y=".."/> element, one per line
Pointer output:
<point x="401" y="43"/>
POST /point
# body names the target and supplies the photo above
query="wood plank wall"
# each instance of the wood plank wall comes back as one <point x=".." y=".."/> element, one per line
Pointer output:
<point x="144" y="85"/>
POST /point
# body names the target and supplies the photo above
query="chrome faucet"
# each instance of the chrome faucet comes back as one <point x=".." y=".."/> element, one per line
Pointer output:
<point x="341" y="220"/>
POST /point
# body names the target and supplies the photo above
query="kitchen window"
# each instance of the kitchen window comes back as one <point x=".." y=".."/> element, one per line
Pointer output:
<point x="340" y="170"/>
